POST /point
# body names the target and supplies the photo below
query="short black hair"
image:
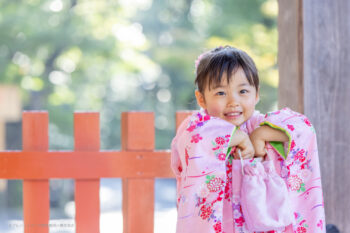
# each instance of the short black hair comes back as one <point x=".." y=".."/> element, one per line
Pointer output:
<point x="213" y="63"/>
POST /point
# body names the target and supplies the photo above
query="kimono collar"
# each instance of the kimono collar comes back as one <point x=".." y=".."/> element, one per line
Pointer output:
<point x="243" y="127"/>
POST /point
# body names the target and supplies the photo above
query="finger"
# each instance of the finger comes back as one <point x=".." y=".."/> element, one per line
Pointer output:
<point x="242" y="153"/>
<point x="259" y="155"/>
<point x="247" y="155"/>
<point x="259" y="151"/>
<point x="248" y="151"/>
<point x="235" y="154"/>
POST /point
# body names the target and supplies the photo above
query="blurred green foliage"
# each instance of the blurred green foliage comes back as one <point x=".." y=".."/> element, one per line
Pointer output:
<point x="113" y="56"/>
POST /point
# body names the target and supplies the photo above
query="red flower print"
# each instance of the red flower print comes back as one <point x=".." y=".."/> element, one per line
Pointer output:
<point x="200" y="117"/>
<point x="296" y="215"/>
<point x="196" y="138"/>
<point x="206" y="212"/>
<point x="220" y="140"/>
<point x="294" y="182"/>
<point x="292" y="145"/>
<point x="179" y="169"/>
<point x="215" y="184"/>
<point x="320" y="224"/>
<point x="217" y="227"/>
<point x="301" y="229"/>
<point x="307" y="122"/>
<point x="206" y="117"/>
<point x="191" y="128"/>
<point x="290" y="127"/>
<point x="187" y="156"/>
<point x="221" y="156"/>
<point x="301" y="152"/>
<point x="228" y="185"/>
<point x="300" y="155"/>
<point x="239" y="221"/>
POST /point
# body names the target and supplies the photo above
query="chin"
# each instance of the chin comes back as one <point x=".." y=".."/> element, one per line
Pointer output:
<point x="235" y="123"/>
<point x="239" y="124"/>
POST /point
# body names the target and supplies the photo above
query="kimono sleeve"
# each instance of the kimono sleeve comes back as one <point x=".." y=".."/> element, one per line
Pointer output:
<point x="300" y="168"/>
<point x="175" y="163"/>
<point x="293" y="124"/>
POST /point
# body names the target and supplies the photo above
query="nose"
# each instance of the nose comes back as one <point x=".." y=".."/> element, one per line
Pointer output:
<point x="232" y="100"/>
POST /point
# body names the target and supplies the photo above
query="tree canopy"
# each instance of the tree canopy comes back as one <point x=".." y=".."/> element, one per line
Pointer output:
<point x="114" y="56"/>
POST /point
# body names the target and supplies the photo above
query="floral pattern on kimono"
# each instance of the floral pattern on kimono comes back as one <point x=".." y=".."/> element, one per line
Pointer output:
<point x="208" y="179"/>
<point x="201" y="176"/>
<point x="299" y="166"/>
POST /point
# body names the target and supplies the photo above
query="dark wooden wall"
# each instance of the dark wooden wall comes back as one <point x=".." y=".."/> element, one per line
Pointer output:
<point x="290" y="56"/>
<point x="314" y="65"/>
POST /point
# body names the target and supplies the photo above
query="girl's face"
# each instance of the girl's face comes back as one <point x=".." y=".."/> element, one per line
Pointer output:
<point x="234" y="102"/>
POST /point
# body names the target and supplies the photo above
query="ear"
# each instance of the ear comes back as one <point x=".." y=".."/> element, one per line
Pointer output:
<point x="200" y="99"/>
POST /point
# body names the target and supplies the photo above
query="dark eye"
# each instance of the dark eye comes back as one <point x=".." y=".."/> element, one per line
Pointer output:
<point x="244" y="91"/>
<point x="220" y="93"/>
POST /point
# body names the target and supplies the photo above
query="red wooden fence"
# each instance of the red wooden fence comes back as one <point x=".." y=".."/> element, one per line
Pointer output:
<point x="138" y="164"/>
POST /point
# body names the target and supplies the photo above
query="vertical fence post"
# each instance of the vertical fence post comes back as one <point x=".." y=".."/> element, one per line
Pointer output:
<point x="36" y="200"/>
<point x="181" y="116"/>
<point x="87" y="199"/>
<point x="138" y="194"/>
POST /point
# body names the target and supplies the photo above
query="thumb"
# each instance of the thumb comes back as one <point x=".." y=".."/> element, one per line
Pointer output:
<point x="260" y="151"/>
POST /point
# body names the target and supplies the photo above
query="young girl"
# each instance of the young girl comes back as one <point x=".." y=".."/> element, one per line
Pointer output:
<point x="208" y="187"/>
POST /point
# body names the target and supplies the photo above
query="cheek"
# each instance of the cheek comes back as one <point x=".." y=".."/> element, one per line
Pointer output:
<point x="250" y="105"/>
<point x="212" y="110"/>
<point x="215" y="109"/>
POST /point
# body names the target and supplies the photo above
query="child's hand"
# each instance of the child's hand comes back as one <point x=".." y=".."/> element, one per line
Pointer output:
<point x="258" y="143"/>
<point x="265" y="134"/>
<point x="242" y="140"/>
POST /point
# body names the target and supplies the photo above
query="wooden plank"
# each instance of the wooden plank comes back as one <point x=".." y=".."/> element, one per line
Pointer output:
<point x="107" y="164"/>
<point x="290" y="55"/>
<point x="181" y="116"/>
<point x="327" y="99"/>
<point x="87" y="191"/>
<point x="137" y="134"/>
<point x="36" y="200"/>
<point x="138" y="194"/>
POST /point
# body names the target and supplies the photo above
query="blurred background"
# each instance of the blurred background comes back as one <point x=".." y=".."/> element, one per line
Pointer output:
<point x="110" y="56"/>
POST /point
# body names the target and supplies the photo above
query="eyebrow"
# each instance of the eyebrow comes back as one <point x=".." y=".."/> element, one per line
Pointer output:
<point x="243" y="84"/>
<point x="240" y="85"/>
<point x="219" y="86"/>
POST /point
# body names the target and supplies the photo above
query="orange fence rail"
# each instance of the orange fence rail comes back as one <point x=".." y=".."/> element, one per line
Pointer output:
<point x="138" y="164"/>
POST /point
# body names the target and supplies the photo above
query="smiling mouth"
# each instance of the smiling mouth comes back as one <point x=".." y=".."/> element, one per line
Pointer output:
<point x="233" y="114"/>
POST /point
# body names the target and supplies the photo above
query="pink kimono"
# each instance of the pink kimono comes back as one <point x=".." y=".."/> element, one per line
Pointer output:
<point x="209" y="180"/>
